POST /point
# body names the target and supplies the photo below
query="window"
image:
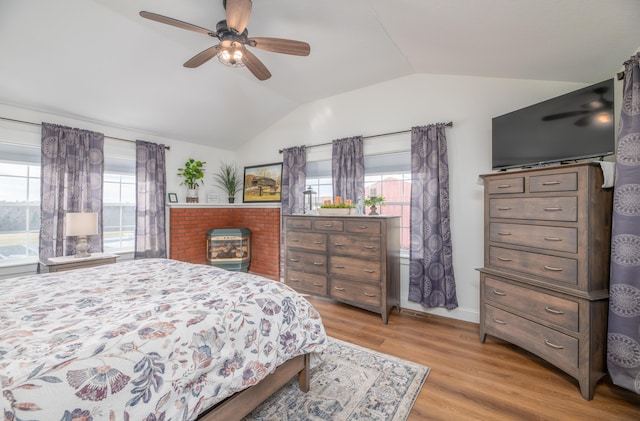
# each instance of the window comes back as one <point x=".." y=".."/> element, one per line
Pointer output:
<point x="19" y="210"/>
<point x="119" y="204"/>
<point x="389" y="174"/>
<point x="20" y="203"/>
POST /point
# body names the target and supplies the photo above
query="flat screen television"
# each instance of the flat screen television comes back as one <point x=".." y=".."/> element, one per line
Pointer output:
<point x="573" y="126"/>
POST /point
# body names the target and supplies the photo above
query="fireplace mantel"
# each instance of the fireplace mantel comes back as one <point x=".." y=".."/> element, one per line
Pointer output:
<point x="224" y="205"/>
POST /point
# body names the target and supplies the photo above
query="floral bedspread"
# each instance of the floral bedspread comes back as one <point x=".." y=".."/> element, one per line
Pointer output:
<point x="151" y="339"/>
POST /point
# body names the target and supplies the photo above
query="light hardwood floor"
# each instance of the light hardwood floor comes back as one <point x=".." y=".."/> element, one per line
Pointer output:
<point x="474" y="381"/>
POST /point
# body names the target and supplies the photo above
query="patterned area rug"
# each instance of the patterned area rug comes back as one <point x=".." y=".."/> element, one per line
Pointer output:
<point x="349" y="382"/>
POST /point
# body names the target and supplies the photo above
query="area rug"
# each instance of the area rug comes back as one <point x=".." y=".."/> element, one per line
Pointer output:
<point x="348" y="382"/>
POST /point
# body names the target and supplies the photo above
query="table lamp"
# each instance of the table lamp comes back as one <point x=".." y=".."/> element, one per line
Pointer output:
<point x="82" y="224"/>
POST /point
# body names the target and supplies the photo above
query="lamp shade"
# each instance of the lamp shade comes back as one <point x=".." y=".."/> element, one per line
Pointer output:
<point x="82" y="223"/>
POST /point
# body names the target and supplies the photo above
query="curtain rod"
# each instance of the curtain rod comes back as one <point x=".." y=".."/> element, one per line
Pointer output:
<point x="38" y="124"/>
<point x="449" y="124"/>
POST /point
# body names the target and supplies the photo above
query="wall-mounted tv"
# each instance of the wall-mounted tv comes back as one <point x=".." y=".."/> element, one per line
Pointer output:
<point x="573" y="126"/>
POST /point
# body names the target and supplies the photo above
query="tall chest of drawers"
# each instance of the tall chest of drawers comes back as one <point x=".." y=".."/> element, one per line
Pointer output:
<point x="544" y="284"/>
<point x="352" y="259"/>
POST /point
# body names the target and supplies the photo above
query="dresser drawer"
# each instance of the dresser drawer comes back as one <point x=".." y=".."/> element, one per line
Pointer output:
<point x="307" y="240"/>
<point x="555" y="268"/>
<point x="328" y="225"/>
<point x="355" y="292"/>
<point x="541" y="208"/>
<point x="355" y="245"/>
<point x="310" y="282"/>
<point x="306" y="262"/>
<point x="561" y="312"/>
<point x="550" y="238"/>
<point x="356" y="269"/>
<point x="363" y="227"/>
<point x="506" y="185"/>
<point x="547" y="343"/>
<point x="299" y="224"/>
<point x="553" y="182"/>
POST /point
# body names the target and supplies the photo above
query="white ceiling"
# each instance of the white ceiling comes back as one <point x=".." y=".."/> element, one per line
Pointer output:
<point x="99" y="60"/>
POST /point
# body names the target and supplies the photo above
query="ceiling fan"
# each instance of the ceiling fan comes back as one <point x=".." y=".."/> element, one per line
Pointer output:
<point x="234" y="38"/>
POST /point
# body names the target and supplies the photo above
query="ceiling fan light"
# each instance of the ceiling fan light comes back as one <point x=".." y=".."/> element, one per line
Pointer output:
<point x="231" y="57"/>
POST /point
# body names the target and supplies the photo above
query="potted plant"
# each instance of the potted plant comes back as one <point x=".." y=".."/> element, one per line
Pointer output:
<point x="193" y="174"/>
<point x="228" y="179"/>
<point x="372" y="202"/>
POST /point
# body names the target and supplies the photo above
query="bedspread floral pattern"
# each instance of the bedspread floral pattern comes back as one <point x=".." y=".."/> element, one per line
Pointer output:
<point x="151" y="339"/>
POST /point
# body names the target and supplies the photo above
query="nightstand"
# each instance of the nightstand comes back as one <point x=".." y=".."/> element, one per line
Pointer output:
<point x="62" y="263"/>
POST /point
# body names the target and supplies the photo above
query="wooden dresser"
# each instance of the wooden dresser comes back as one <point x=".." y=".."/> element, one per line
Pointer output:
<point x="544" y="284"/>
<point x="353" y="259"/>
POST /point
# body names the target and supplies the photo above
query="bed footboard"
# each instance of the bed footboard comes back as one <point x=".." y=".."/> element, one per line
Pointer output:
<point x="242" y="403"/>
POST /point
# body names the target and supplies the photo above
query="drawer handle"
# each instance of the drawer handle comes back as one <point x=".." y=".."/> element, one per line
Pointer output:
<point x="338" y="266"/>
<point x="315" y="284"/>
<point x="504" y="208"/>
<point x="552" y="345"/>
<point x="294" y="260"/>
<point x="369" y="270"/>
<point x="318" y="263"/>
<point x="550" y="183"/>
<point x="363" y="227"/>
<point x="552" y="209"/>
<point x="500" y="322"/>
<point x="498" y="292"/>
<point x="368" y="294"/>
<point x="293" y="241"/>
<point x="299" y="225"/>
<point x="369" y="247"/>
<point x="338" y="244"/>
<point x="554" y="311"/>
<point x="318" y="242"/>
<point x="504" y="233"/>
<point x="294" y="280"/>
<point x="553" y="239"/>
<point x="551" y="268"/>
<point x="339" y="289"/>
<point x="504" y="259"/>
<point x="328" y="225"/>
<point x="504" y="186"/>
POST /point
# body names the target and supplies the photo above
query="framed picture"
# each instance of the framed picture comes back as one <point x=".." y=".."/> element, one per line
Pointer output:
<point x="262" y="183"/>
<point x="173" y="198"/>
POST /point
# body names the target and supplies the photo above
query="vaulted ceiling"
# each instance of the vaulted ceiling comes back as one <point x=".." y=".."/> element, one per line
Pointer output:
<point x="99" y="60"/>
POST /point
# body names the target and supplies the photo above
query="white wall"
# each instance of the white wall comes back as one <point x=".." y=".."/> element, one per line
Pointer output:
<point x="469" y="102"/>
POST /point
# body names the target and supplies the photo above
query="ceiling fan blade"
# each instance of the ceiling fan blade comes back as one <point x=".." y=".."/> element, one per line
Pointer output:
<point x="283" y="46"/>
<point x="238" y="12"/>
<point x="177" y="23"/>
<point x="202" y="57"/>
<point x="255" y="66"/>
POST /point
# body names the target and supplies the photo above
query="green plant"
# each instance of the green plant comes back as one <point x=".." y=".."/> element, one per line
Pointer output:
<point x="228" y="179"/>
<point x="374" y="201"/>
<point x="193" y="173"/>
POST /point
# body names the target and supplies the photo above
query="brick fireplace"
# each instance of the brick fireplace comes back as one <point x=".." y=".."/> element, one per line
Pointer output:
<point x="188" y="226"/>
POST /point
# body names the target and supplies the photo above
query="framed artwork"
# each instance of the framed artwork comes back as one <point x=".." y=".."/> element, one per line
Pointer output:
<point x="262" y="183"/>
<point x="173" y="198"/>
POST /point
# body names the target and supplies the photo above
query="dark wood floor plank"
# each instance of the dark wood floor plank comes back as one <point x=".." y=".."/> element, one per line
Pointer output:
<point x="470" y="380"/>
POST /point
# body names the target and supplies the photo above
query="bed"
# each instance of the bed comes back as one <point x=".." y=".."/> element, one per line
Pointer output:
<point x="152" y="339"/>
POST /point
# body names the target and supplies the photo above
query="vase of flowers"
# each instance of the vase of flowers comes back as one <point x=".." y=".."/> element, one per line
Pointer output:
<point x="373" y="202"/>
<point x="193" y="174"/>
<point x="228" y="179"/>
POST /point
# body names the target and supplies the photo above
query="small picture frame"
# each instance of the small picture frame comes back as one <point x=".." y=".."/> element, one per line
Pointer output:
<point x="173" y="198"/>
<point x="262" y="183"/>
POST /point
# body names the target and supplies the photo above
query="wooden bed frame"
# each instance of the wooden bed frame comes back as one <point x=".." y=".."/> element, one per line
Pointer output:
<point x="242" y="403"/>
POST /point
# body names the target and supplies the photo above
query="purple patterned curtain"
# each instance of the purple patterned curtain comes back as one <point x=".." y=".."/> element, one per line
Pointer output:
<point x="151" y="186"/>
<point x="623" y="341"/>
<point x="72" y="166"/>
<point x="294" y="173"/>
<point x="294" y="176"/>
<point x="431" y="280"/>
<point x="347" y="168"/>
